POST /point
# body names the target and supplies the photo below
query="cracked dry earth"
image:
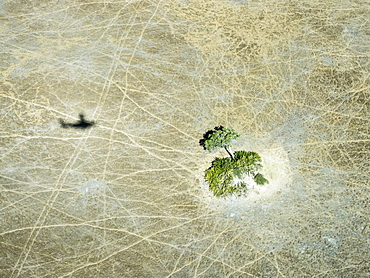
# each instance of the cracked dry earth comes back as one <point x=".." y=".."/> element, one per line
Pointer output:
<point x="126" y="197"/>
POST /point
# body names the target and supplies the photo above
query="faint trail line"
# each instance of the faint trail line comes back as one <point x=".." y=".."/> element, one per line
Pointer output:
<point x="123" y="90"/>
<point x="160" y="119"/>
<point x="158" y="98"/>
<point x="165" y="147"/>
<point x="142" y="238"/>
<point x="336" y="142"/>
<point x="302" y="104"/>
<point x="35" y="104"/>
<point x="44" y="213"/>
<point x="206" y="250"/>
<point x="120" y="109"/>
<point x="342" y="268"/>
<point x="87" y="224"/>
<point x="105" y="90"/>
<point x="126" y="82"/>
<point x="17" y="181"/>
<point x="147" y="150"/>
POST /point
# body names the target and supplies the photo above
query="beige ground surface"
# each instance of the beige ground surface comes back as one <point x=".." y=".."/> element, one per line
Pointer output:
<point x="126" y="198"/>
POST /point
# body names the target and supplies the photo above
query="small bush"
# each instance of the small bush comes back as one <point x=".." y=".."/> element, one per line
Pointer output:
<point x="260" y="179"/>
<point x="224" y="174"/>
<point x="246" y="163"/>
<point x="220" y="176"/>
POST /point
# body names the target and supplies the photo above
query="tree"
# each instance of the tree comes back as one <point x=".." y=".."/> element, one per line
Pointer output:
<point x="220" y="137"/>
<point x="227" y="175"/>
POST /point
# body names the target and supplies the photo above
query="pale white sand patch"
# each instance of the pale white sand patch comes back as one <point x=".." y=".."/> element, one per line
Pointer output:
<point x="92" y="187"/>
<point x="276" y="168"/>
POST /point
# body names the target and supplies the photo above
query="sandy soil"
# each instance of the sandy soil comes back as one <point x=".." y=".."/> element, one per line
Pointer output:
<point x="126" y="197"/>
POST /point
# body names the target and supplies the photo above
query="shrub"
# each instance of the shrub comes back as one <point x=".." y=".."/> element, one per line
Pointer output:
<point x="220" y="177"/>
<point x="260" y="179"/>
<point x="225" y="176"/>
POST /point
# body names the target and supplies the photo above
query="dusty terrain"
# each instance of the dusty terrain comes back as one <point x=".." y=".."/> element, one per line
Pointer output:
<point x="126" y="198"/>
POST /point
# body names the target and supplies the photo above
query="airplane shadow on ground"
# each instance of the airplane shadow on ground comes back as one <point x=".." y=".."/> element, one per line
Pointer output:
<point x="80" y="124"/>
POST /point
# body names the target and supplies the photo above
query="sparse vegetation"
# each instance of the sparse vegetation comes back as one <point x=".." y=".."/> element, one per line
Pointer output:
<point x="226" y="175"/>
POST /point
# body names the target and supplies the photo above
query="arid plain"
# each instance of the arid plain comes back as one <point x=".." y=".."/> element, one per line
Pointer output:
<point x="126" y="197"/>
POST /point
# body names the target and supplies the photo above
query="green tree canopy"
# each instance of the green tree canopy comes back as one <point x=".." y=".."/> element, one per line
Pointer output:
<point x="220" y="137"/>
<point x="226" y="175"/>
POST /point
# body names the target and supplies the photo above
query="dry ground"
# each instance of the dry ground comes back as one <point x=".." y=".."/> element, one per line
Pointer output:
<point x="126" y="198"/>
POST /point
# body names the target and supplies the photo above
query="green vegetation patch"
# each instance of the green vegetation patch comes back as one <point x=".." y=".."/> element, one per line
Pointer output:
<point x="226" y="175"/>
